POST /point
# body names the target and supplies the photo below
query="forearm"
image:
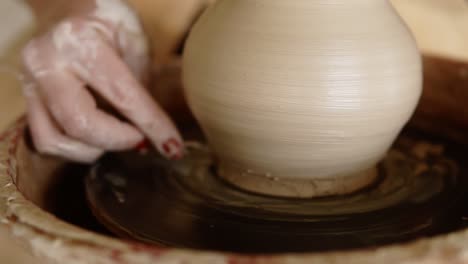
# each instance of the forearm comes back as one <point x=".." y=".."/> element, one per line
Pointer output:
<point x="50" y="11"/>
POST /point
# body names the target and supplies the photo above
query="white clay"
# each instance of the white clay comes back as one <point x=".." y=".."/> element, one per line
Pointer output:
<point x="301" y="98"/>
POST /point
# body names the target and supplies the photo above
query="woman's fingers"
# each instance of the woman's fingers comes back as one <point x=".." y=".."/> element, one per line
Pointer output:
<point x="75" y="111"/>
<point x="108" y="53"/>
<point x="47" y="137"/>
<point x="113" y="80"/>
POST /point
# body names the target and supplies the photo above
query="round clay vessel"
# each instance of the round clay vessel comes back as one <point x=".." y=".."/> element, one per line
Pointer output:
<point x="301" y="98"/>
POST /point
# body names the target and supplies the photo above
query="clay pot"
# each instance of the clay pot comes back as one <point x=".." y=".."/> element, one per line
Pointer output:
<point x="301" y="98"/>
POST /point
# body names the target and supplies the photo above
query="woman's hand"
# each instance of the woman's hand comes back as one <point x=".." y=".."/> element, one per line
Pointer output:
<point x="104" y="51"/>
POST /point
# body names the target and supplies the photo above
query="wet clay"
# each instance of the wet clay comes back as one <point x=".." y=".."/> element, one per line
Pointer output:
<point x="311" y="93"/>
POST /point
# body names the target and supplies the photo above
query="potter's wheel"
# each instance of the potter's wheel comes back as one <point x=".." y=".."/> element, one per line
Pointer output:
<point x="184" y="203"/>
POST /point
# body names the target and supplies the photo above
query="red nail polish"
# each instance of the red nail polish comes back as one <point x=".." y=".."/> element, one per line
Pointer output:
<point x="143" y="145"/>
<point x="172" y="149"/>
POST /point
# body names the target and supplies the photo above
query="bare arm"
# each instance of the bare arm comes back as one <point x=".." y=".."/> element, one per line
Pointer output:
<point x="48" y="12"/>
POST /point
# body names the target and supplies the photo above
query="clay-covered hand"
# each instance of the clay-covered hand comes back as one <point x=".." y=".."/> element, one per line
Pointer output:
<point x="104" y="51"/>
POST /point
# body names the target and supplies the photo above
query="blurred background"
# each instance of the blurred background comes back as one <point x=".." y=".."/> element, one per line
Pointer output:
<point x="16" y="27"/>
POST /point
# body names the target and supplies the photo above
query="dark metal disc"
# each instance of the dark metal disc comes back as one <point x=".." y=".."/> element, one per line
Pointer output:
<point x="184" y="204"/>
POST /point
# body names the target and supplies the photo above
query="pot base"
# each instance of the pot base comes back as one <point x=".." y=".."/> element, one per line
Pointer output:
<point x="296" y="188"/>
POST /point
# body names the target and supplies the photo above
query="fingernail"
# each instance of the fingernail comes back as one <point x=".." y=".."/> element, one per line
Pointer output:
<point x="143" y="145"/>
<point x="173" y="149"/>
